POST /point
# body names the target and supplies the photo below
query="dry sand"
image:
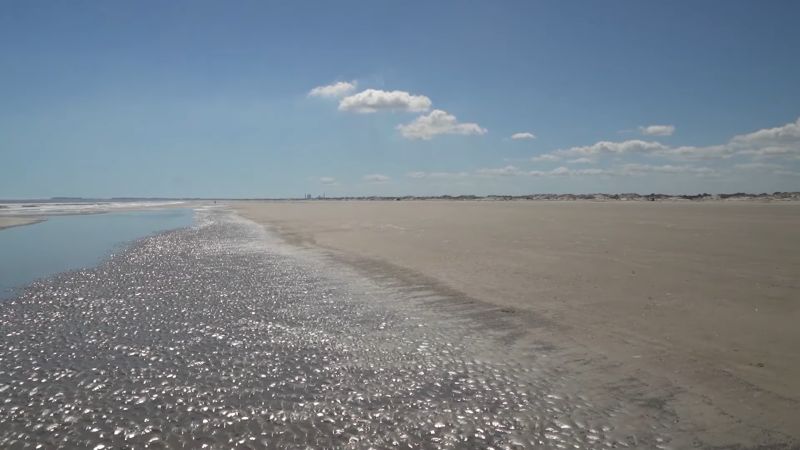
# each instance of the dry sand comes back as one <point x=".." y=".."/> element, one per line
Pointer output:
<point x="704" y="295"/>
<point x="15" y="221"/>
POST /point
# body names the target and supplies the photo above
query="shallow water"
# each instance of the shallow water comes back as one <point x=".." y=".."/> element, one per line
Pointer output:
<point x="70" y="242"/>
<point x="211" y="337"/>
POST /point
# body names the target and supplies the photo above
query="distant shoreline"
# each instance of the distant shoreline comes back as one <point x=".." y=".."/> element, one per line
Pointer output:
<point x="599" y="196"/>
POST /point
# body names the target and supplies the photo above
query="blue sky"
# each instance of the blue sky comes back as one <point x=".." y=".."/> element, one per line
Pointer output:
<point x="111" y="98"/>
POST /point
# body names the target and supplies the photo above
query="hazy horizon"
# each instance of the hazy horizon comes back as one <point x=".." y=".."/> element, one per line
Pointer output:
<point x="263" y="100"/>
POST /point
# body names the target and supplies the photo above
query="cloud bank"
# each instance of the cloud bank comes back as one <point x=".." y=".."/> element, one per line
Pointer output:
<point x="621" y="170"/>
<point x="778" y="142"/>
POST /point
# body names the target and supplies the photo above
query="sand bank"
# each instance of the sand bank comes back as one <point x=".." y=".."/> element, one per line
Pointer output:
<point x="704" y="295"/>
<point x="15" y="221"/>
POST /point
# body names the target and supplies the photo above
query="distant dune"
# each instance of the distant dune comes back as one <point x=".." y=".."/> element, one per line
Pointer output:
<point x="740" y="196"/>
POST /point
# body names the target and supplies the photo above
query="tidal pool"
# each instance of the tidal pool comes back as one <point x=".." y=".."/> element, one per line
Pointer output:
<point x="64" y="243"/>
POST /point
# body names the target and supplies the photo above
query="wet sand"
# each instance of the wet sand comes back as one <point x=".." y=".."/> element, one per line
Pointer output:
<point x="697" y="302"/>
<point x="219" y="336"/>
<point x="16" y="221"/>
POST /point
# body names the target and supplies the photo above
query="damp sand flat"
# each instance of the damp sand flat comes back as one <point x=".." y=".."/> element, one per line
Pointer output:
<point x="16" y="221"/>
<point x="219" y="337"/>
<point x="703" y="295"/>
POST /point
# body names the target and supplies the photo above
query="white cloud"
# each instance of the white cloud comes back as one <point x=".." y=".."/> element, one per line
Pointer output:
<point x="783" y="141"/>
<point x="374" y="100"/>
<point x="624" y="170"/>
<point x="547" y="157"/>
<point x="330" y="181"/>
<point x="438" y="122"/>
<point x="657" y="130"/>
<point x="583" y="160"/>
<point x="769" y="137"/>
<point x="523" y="136"/>
<point x="778" y="142"/>
<point x="613" y="148"/>
<point x="376" y="178"/>
<point x="338" y="89"/>
<point x="511" y="171"/>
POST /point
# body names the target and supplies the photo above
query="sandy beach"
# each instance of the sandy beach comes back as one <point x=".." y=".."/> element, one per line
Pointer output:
<point x="700" y="298"/>
<point x="219" y="335"/>
<point x="15" y="221"/>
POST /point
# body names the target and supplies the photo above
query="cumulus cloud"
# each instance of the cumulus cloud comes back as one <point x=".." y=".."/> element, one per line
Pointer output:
<point x="374" y="100"/>
<point x="657" y="130"/>
<point x="376" y="178"/>
<point x="523" y="136"/>
<point x="330" y="181"/>
<point x="335" y="90"/>
<point x="438" y="122"/>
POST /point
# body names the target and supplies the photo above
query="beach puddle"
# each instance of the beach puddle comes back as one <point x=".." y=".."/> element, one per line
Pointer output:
<point x="209" y="338"/>
<point x="69" y="242"/>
